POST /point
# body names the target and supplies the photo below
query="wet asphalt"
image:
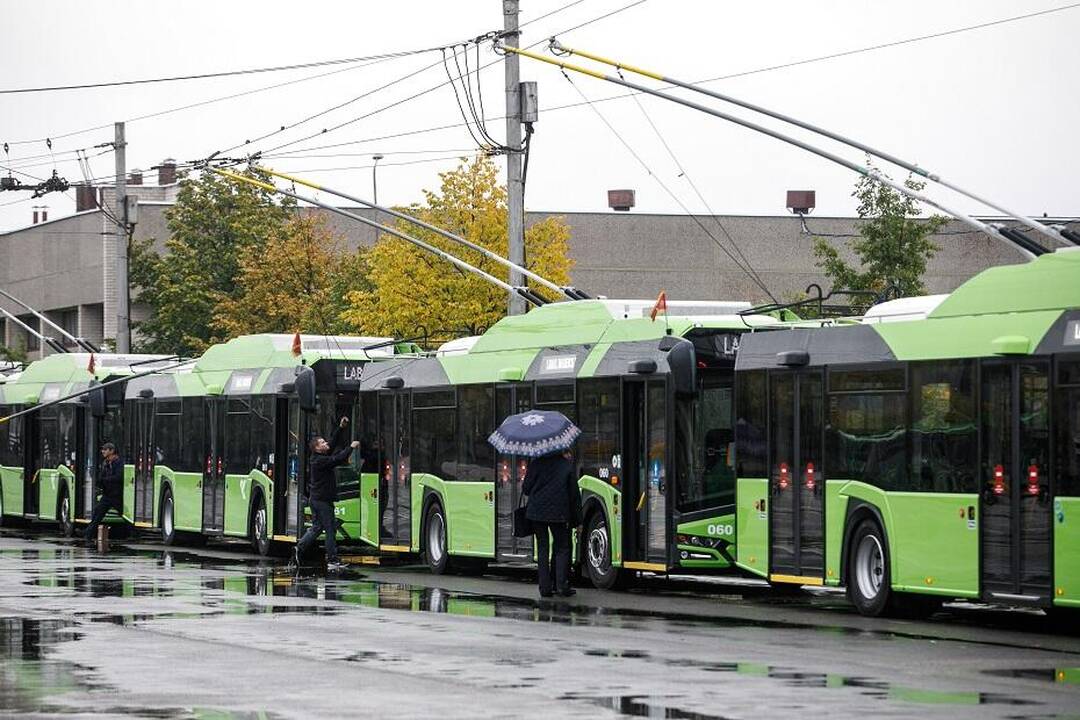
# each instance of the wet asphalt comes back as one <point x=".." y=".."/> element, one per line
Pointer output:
<point x="141" y="630"/>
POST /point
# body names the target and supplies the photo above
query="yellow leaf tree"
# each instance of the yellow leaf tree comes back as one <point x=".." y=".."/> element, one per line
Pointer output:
<point x="298" y="280"/>
<point x="413" y="292"/>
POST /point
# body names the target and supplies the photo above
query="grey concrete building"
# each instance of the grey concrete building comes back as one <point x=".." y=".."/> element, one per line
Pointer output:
<point x="66" y="267"/>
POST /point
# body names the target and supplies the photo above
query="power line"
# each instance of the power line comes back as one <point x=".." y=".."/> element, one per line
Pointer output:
<point x="226" y="73"/>
<point x="390" y="164"/>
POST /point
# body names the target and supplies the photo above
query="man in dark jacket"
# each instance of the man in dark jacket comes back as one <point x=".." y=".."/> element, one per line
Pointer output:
<point x="111" y="482"/>
<point x="322" y="491"/>
<point x="554" y="507"/>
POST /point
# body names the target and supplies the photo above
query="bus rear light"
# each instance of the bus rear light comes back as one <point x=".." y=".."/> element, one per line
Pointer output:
<point x="784" y="476"/>
<point x="219" y="465"/>
<point x="1033" y="480"/>
<point x="999" y="480"/>
<point x="209" y="464"/>
<point x="811" y="483"/>
<point x="522" y="468"/>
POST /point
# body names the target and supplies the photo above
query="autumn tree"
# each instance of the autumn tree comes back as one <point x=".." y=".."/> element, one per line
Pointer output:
<point x="214" y="223"/>
<point x="298" y="280"/>
<point x="413" y="292"/>
<point x="894" y="244"/>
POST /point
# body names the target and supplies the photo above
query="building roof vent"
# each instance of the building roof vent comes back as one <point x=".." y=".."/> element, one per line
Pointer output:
<point x="801" y="202"/>
<point x="621" y="200"/>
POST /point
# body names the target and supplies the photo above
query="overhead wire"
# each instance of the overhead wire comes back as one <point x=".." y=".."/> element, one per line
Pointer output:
<point x="747" y="271"/>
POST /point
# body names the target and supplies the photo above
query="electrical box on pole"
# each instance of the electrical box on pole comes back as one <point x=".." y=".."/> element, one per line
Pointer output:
<point x="530" y="107"/>
<point x="131" y="210"/>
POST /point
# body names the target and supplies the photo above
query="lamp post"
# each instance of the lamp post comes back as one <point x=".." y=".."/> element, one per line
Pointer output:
<point x="374" y="180"/>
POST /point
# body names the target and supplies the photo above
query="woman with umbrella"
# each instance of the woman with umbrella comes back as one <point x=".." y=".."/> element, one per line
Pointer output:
<point x="554" y="501"/>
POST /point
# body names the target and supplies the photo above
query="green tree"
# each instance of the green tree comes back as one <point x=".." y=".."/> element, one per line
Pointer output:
<point x="894" y="244"/>
<point x="297" y="281"/>
<point x="413" y="290"/>
<point x="214" y="222"/>
<point x="15" y="353"/>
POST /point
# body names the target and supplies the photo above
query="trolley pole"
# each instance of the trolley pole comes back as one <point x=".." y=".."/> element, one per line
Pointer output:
<point x="123" y="326"/>
<point x="515" y="190"/>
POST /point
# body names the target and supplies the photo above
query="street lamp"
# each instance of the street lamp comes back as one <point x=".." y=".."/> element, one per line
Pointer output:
<point x="374" y="180"/>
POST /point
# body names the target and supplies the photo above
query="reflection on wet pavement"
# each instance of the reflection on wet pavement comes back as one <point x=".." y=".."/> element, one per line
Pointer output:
<point x="581" y="661"/>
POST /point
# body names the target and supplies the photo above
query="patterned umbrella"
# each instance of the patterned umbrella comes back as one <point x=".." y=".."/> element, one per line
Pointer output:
<point x="534" y="433"/>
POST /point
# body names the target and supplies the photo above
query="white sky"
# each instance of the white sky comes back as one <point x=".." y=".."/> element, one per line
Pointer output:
<point x="995" y="109"/>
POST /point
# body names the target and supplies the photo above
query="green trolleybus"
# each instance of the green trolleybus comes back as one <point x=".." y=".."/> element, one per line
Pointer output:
<point x="653" y="398"/>
<point x="929" y="450"/>
<point x="49" y="458"/>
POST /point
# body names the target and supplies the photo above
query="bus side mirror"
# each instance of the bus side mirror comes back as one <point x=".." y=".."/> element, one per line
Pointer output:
<point x="305" y="388"/>
<point x="682" y="360"/>
<point x="96" y="399"/>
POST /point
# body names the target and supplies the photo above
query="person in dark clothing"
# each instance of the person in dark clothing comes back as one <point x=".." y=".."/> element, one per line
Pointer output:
<point x="111" y="482"/>
<point x="322" y="491"/>
<point x="554" y="507"/>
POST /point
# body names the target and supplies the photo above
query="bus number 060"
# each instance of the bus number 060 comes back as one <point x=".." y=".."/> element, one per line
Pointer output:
<point x="720" y="529"/>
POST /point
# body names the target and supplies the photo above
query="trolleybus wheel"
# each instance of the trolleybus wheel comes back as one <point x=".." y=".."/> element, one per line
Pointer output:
<point x="435" y="551"/>
<point x="168" y="519"/>
<point x="63" y="515"/>
<point x="260" y="528"/>
<point x="597" y="552"/>
<point x="868" y="580"/>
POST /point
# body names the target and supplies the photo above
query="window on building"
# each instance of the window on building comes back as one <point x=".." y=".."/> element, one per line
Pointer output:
<point x="434" y="433"/>
<point x="598" y="415"/>
<point x="944" y="427"/>
<point x="33" y="344"/>
<point x="476" y="421"/>
<point x="867" y="432"/>
<point x="69" y="320"/>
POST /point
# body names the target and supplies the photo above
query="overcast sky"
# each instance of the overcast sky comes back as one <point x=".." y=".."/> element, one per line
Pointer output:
<point x="994" y="109"/>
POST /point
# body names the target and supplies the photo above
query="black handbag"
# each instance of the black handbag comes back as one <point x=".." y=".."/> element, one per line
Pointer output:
<point x="523" y="526"/>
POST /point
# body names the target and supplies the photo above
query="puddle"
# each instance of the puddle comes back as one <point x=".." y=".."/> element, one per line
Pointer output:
<point x="1069" y="676"/>
<point x="642" y="706"/>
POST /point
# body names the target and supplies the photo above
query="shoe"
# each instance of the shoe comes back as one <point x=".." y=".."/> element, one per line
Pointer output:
<point x="568" y="592"/>
<point x="546" y="593"/>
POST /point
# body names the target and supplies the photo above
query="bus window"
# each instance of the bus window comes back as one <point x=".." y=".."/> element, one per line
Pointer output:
<point x="1068" y="429"/>
<point x="867" y="428"/>
<point x="750" y="424"/>
<point x="367" y="432"/>
<point x="598" y="446"/>
<point x="944" y="432"/>
<point x="434" y="421"/>
<point x="709" y="481"/>
<point x="476" y="413"/>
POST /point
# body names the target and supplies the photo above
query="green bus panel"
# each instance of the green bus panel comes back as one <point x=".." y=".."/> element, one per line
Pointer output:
<point x="707" y="531"/>
<point x="836" y="503"/>
<point x="48" y="483"/>
<point x="348" y="512"/>
<point x="470" y="514"/>
<point x="933" y="545"/>
<point x="11" y="492"/>
<point x="1066" y="550"/>
<point x="187" y="501"/>
<point x="369" y="508"/>
<point x="66" y="481"/>
<point x="128" y="511"/>
<point x="239" y="490"/>
<point x="752" y="525"/>
<point x="611" y="500"/>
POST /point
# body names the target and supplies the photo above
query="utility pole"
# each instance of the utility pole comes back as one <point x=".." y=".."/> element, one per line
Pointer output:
<point x="515" y="190"/>
<point x="123" y="326"/>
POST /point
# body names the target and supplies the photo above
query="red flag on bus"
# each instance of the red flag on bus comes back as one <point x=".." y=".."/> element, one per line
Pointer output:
<point x="297" y="346"/>
<point x="661" y="304"/>
<point x="91" y="366"/>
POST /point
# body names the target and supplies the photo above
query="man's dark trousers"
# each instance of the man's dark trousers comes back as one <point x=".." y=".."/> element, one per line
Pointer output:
<point x="324" y="521"/>
<point x="101" y="509"/>
<point x="560" y="552"/>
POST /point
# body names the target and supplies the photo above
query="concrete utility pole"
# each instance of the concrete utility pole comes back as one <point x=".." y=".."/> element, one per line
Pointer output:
<point x="515" y="201"/>
<point x="123" y="326"/>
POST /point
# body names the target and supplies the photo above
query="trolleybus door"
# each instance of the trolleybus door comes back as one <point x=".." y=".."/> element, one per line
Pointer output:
<point x="85" y="450"/>
<point x="31" y="463"/>
<point x="145" y="459"/>
<point x="395" y="485"/>
<point x="286" y="466"/>
<point x="213" y="485"/>
<point x="1016" y="492"/>
<point x="645" y="476"/>
<point x="510" y="477"/>
<point x="796" y="480"/>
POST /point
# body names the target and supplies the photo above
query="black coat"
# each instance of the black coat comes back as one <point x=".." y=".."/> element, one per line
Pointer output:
<point x="323" y="478"/>
<point x="111" y="479"/>
<point x="551" y="484"/>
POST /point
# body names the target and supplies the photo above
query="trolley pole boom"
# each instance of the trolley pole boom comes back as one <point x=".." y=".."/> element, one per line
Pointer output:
<point x="1028" y="248"/>
<point x="41" y="338"/>
<point x="571" y="293"/>
<point x="1048" y="231"/>
<point x="40" y="316"/>
<point x="457" y="262"/>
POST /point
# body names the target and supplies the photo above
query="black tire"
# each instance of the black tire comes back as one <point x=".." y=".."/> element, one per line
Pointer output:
<point x="436" y="549"/>
<point x="169" y="535"/>
<point x="596" y="552"/>
<point x="869" y="584"/>
<point x="63" y="515"/>
<point x="260" y="527"/>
